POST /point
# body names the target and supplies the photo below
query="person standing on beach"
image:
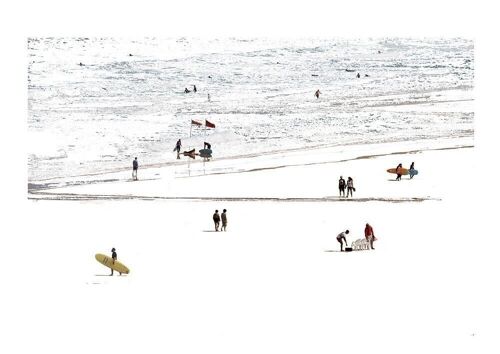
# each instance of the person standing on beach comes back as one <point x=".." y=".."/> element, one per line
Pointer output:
<point x="341" y="187"/>
<point x="399" y="172"/>
<point x="369" y="235"/>
<point x="114" y="257"/>
<point x="223" y="217"/>
<point x="216" y="218"/>
<point x="412" y="170"/>
<point x="177" y="148"/>
<point x="350" y="186"/>
<point x="317" y="93"/>
<point x="135" y="167"/>
<point x="341" y="237"/>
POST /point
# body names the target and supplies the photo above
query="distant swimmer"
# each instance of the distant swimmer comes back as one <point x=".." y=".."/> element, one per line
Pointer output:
<point x="130" y="55"/>
<point x="317" y="93"/>
<point x="379" y="52"/>
<point x="358" y="76"/>
<point x="341" y="237"/>
<point x="366" y="75"/>
<point x="114" y="257"/>
<point x="209" y="77"/>
<point x="135" y="167"/>
<point x="399" y="171"/>
<point x="194" y="88"/>
<point x="186" y="90"/>
<point x="80" y="64"/>
<point x="208" y="97"/>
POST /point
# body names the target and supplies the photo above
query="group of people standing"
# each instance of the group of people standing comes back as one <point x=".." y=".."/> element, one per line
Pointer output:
<point x="369" y="236"/>
<point x="218" y="218"/>
<point x="343" y="185"/>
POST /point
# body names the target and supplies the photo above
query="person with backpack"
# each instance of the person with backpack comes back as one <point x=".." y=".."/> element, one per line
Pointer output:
<point x="341" y="187"/>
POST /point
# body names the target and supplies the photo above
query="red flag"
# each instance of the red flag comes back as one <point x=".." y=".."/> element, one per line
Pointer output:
<point x="209" y="125"/>
<point x="193" y="122"/>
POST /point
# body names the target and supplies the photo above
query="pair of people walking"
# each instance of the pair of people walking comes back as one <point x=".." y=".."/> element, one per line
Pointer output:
<point x="343" y="184"/>
<point x="218" y="218"/>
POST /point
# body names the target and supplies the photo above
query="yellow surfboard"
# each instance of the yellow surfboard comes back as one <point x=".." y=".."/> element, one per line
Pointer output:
<point x="108" y="262"/>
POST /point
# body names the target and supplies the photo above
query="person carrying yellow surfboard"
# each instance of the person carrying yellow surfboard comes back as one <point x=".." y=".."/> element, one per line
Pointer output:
<point x="114" y="257"/>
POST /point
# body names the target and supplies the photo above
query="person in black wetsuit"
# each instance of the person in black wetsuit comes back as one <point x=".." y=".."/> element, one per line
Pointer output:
<point x="114" y="257"/>
<point x="207" y="146"/>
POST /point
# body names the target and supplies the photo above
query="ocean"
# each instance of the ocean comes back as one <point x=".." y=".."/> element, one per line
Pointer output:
<point x="96" y="103"/>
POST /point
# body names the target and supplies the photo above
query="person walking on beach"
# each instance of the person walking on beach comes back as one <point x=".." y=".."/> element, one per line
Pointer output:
<point x="177" y="148"/>
<point x="399" y="172"/>
<point x="350" y="186"/>
<point x="216" y="218"/>
<point x="341" y="238"/>
<point x="135" y="167"/>
<point x="317" y="93"/>
<point x="114" y="257"/>
<point x="223" y="217"/>
<point x="369" y="235"/>
<point x="412" y="170"/>
<point x="341" y="187"/>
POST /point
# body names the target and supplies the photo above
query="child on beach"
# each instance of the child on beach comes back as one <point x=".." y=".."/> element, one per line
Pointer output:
<point x="224" y="220"/>
<point x="341" y="237"/>
<point x="341" y="187"/>
<point x="350" y="186"/>
<point x="216" y="218"/>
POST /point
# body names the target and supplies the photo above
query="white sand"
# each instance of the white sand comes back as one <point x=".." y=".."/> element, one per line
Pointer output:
<point x="270" y="284"/>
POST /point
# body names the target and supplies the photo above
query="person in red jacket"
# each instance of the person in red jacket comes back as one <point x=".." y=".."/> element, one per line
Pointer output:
<point x="369" y="235"/>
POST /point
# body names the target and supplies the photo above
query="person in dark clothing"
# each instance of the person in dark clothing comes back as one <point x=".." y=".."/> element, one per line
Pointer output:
<point x="412" y="170"/>
<point x="216" y="218"/>
<point x="341" y="237"/>
<point x="317" y="93"/>
<point x="177" y="148"/>
<point x="135" y="167"/>
<point x="358" y="76"/>
<point x="223" y="217"/>
<point x="399" y="172"/>
<point x="370" y="235"/>
<point x="341" y="187"/>
<point x="114" y="257"/>
<point x="207" y="146"/>
<point x="186" y="90"/>
<point x="194" y="88"/>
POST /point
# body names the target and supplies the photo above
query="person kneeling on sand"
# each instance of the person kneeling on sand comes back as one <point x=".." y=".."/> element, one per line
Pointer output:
<point x="223" y="217"/>
<point x="216" y="218"/>
<point x="341" y="237"/>
<point x="369" y="235"/>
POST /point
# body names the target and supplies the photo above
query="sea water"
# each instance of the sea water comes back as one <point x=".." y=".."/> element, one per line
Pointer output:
<point x="96" y="103"/>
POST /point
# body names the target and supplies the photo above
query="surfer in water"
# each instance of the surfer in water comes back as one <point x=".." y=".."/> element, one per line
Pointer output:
<point x="399" y="172"/>
<point x="341" y="237"/>
<point x="114" y="257"/>
<point x="194" y="88"/>
<point x="317" y="93"/>
<point x="186" y="90"/>
<point x="207" y="146"/>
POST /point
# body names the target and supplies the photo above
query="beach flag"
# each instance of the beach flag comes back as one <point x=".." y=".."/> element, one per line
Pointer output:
<point x="193" y="122"/>
<point x="209" y="125"/>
